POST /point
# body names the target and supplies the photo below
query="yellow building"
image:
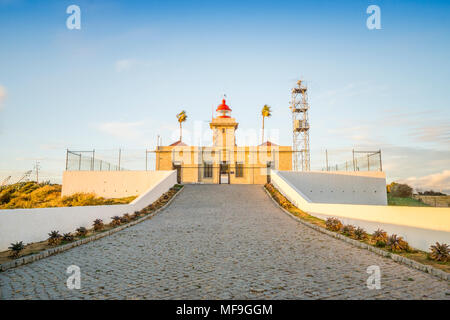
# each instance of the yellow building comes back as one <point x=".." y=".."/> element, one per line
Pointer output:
<point x="224" y="161"/>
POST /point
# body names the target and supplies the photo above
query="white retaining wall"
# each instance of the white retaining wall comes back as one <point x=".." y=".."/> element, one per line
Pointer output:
<point x="420" y="226"/>
<point x="110" y="184"/>
<point x="32" y="225"/>
<point x="340" y="187"/>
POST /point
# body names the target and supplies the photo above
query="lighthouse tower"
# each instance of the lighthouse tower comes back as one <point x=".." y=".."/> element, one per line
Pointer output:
<point x="223" y="127"/>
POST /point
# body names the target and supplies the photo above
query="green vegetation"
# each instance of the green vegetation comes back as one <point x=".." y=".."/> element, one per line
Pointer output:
<point x="438" y="257"/>
<point x="398" y="201"/>
<point x="55" y="238"/>
<point x="43" y="195"/>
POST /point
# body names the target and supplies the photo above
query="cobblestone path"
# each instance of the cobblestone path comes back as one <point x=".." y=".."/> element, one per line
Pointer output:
<point x="219" y="242"/>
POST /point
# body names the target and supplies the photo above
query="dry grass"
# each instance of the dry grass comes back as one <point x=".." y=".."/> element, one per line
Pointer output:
<point x="36" y="247"/>
<point x="413" y="254"/>
<point x="43" y="195"/>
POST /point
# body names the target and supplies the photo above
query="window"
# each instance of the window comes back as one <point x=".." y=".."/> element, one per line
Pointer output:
<point x="208" y="170"/>
<point x="239" y="170"/>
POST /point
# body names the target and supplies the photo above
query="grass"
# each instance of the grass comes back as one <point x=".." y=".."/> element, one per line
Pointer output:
<point x="409" y="202"/>
<point x="45" y="195"/>
<point x="416" y="255"/>
<point x="37" y="247"/>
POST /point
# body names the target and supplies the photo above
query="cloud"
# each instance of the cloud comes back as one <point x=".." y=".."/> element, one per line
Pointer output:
<point x="125" y="64"/>
<point x="437" y="181"/>
<point x="2" y="95"/>
<point x="439" y="132"/>
<point x="122" y="130"/>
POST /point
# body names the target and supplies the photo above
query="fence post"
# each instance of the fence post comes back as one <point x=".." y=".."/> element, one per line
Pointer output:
<point x="79" y="163"/>
<point x="67" y="157"/>
<point x="354" y="165"/>
<point x="120" y="152"/>
<point x="381" y="164"/>
<point x="326" y="156"/>
<point x="146" y="159"/>
<point x="368" y="163"/>
<point x="93" y="160"/>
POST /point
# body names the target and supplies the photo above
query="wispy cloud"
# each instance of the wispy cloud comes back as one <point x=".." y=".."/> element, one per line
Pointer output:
<point x="437" y="181"/>
<point x="348" y="91"/>
<point x="2" y="95"/>
<point x="124" y="64"/>
<point x="122" y="130"/>
<point x="438" y="132"/>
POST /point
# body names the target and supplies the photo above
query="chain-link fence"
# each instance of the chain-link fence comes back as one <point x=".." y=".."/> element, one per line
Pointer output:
<point x="359" y="161"/>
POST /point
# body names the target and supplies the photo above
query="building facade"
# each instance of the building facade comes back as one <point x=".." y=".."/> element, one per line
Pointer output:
<point x="224" y="161"/>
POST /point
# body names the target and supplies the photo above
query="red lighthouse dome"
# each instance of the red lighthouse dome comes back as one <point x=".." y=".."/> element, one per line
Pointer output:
<point x="223" y="110"/>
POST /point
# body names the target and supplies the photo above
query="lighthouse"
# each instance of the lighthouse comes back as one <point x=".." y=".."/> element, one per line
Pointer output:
<point x="223" y="127"/>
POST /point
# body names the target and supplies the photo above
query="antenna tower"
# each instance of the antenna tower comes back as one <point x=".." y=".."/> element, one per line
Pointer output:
<point x="300" y="126"/>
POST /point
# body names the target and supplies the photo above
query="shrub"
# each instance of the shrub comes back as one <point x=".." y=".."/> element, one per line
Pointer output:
<point x="380" y="237"/>
<point x="98" y="224"/>
<point x="360" y="234"/>
<point x="68" y="237"/>
<point x="440" y="252"/>
<point x="397" y="244"/>
<point x="16" y="248"/>
<point x="333" y="224"/>
<point x="125" y="218"/>
<point x="54" y="238"/>
<point x="136" y="215"/>
<point x="401" y="190"/>
<point x="82" y="232"/>
<point x="348" y="230"/>
<point x="116" y="221"/>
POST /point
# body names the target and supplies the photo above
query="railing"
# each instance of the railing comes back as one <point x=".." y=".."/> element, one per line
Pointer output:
<point x="86" y="161"/>
<point x="367" y="161"/>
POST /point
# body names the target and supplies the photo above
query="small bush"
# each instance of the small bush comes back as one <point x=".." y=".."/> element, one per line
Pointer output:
<point x="125" y="218"/>
<point x="54" y="238"/>
<point x="348" y="230"/>
<point x="440" y="252"/>
<point x="136" y="215"/>
<point x="16" y="248"/>
<point x="360" y="234"/>
<point x="333" y="224"/>
<point x="98" y="224"/>
<point x="397" y="244"/>
<point x="116" y="221"/>
<point x="401" y="190"/>
<point x="81" y="232"/>
<point x="380" y="238"/>
<point x="68" y="237"/>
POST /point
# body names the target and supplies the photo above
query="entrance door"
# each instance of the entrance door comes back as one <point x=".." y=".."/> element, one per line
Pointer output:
<point x="224" y="173"/>
<point x="178" y="168"/>
<point x="269" y="165"/>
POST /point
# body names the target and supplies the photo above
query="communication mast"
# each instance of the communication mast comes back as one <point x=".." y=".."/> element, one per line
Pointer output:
<point x="300" y="127"/>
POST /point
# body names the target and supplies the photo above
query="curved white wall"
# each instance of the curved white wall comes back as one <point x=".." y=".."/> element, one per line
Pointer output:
<point x="32" y="225"/>
<point x="340" y="187"/>
<point x="420" y="226"/>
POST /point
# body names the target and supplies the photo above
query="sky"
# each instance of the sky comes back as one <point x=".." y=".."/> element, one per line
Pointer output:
<point x="119" y="80"/>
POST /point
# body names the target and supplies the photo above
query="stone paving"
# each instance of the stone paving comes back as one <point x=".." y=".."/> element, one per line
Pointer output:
<point x="219" y="242"/>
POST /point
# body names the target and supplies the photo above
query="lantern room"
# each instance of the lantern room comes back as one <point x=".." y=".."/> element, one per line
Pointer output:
<point x="223" y="111"/>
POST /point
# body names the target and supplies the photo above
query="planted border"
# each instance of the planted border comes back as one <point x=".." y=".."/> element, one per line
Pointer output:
<point x="146" y="213"/>
<point x="320" y="225"/>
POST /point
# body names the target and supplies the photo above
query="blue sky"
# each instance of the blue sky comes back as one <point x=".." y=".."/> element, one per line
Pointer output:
<point x="120" y="80"/>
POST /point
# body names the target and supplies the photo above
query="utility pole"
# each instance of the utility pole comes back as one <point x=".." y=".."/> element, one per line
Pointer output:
<point x="37" y="167"/>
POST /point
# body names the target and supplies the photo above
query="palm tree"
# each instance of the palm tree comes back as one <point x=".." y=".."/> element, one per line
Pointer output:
<point x="266" y="112"/>
<point x="182" y="117"/>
